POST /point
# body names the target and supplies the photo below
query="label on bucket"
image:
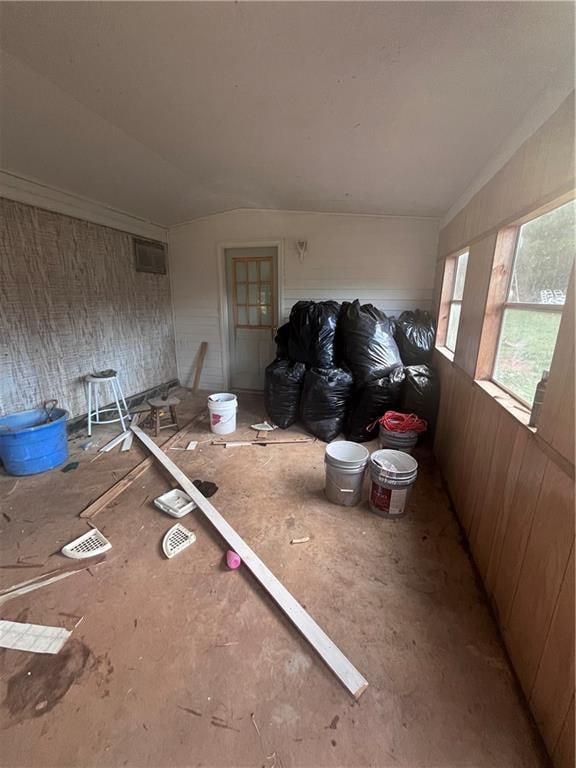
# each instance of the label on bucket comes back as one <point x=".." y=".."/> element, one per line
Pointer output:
<point x="387" y="500"/>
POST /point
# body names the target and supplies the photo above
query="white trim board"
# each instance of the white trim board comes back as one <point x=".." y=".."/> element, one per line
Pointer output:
<point x="346" y="672"/>
<point x="32" y="192"/>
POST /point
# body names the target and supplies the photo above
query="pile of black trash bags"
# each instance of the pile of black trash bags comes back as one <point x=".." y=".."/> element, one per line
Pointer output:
<point x="340" y="367"/>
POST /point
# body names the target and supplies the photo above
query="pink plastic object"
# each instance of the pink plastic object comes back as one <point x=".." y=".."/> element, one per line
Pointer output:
<point x="233" y="560"/>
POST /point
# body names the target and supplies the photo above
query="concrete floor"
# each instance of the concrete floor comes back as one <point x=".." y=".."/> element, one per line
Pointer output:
<point x="184" y="663"/>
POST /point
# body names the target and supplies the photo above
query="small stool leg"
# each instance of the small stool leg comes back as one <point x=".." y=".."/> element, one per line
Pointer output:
<point x="122" y="398"/>
<point x="113" y="382"/>
<point x="173" y="416"/>
<point x="89" y="409"/>
<point x="96" y="404"/>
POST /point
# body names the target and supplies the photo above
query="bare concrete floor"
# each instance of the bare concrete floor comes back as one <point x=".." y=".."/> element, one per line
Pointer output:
<point x="184" y="663"/>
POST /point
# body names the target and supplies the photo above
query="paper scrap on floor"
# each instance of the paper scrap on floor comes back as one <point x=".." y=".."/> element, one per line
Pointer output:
<point x="32" y="637"/>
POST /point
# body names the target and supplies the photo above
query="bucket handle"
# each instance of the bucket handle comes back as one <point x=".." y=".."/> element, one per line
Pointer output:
<point x="49" y="406"/>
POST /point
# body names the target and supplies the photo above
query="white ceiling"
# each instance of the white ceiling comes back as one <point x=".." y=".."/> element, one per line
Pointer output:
<point x="171" y="111"/>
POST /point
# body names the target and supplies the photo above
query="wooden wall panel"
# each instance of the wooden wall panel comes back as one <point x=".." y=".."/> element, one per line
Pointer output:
<point x="563" y="752"/>
<point x="474" y="303"/>
<point x="71" y="303"/>
<point x="549" y="543"/>
<point x="551" y="695"/>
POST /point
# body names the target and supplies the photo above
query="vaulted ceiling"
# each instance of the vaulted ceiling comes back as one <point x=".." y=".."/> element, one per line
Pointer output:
<point x="171" y="111"/>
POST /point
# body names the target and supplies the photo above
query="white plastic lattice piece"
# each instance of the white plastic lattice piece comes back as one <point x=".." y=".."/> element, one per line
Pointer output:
<point x="177" y="539"/>
<point x="88" y="545"/>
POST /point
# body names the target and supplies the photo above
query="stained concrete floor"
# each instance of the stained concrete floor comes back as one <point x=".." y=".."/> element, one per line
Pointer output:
<point x="184" y="663"/>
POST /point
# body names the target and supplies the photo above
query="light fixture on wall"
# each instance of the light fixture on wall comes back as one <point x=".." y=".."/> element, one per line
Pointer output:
<point x="302" y="248"/>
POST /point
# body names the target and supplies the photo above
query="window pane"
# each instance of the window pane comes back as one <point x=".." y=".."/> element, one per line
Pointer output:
<point x="253" y="293"/>
<point x="544" y="258"/>
<point x="240" y="271"/>
<point x="461" y="265"/>
<point x="265" y="294"/>
<point x="266" y="270"/>
<point x="253" y="316"/>
<point x="266" y="314"/>
<point x="242" y="318"/>
<point x="241" y="293"/>
<point x="525" y="349"/>
<point x="453" y="323"/>
<point x="253" y="271"/>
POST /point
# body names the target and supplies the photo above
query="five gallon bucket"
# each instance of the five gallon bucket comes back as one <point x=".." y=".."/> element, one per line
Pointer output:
<point x="392" y="474"/>
<point x="33" y="441"/>
<point x="398" y="441"/>
<point x="222" y="407"/>
<point x="345" y="466"/>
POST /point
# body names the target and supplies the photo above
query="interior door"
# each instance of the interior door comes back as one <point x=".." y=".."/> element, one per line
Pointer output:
<point x="251" y="277"/>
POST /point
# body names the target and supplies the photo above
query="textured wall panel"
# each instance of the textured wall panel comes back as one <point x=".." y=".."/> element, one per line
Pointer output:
<point x="71" y="303"/>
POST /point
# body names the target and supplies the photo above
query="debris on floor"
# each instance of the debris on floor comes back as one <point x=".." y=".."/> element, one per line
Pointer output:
<point x="233" y="560"/>
<point x="176" y="539"/>
<point x="303" y="540"/>
<point x="32" y="637"/>
<point x="263" y="427"/>
<point x="71" y="466"/>
<point x="90" y="544"/>
<point x="175" y="503"/>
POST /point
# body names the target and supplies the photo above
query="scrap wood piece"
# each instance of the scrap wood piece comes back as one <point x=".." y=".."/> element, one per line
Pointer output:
<point x="322" y="644"/>
<point x="114" y="442"/>
<point x="127" y="444"/>
<point x="264" y="441"/>
<point x="35" y="638"/>
<point x="44" y="579"/>
<point x="199" y="365"/>
<point x="303" y="540"/>
<point x="108" y="496"/>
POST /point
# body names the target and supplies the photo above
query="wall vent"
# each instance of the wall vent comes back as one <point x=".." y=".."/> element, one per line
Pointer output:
<point x="149" y="256"/>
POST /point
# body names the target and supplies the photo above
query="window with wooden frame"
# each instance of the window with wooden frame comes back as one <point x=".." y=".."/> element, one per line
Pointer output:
<point x="532" y="267"/>
<point x="452" y="293"/>
<point x="254" y="302"/>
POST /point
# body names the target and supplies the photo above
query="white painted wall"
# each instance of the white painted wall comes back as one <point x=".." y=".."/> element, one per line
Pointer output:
<point x="386" y="260"/>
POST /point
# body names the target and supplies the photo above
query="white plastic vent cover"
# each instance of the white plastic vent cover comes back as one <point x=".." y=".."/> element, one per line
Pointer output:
<point x="177" y="539"/>
<point x="88" y="545"/>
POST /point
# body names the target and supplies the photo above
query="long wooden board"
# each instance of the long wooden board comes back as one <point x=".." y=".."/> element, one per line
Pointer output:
<point x="318" y="639"/>
<point x="199" y="365"/>
<point x="108" y="496"/>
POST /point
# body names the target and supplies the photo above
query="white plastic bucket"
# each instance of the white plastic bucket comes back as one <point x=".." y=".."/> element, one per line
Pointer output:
<point x="392" y="476"/>
<point x="345" y="467"/>
<point x="398" y="441"/>
<point x="222" y="407"/>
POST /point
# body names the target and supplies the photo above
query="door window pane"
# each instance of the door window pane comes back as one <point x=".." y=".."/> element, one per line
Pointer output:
<point x="544" y="258"/>
<point x="253" y="316"/>
<point x="265" y="293"/>
<point x="241" y="293"/>
<point x="253" y="271"/>
<point x="525" y="350"/>
<point x="453" y="323"/>
<point x="253" y="293"/>
<point x="266" y="270"/>
<point x="266" y="315"/>
<point x="240" y="267"/>
<point x="242" y="316"/>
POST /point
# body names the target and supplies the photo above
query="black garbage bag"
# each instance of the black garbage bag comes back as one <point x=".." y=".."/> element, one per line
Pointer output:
<point x="370" y="403"/>
<point x="282" y="340"/>
<point x="366" y="342"/>
<point x="324" y="402"/>
<point x="421" y="393"/>
<point x="312" y="333"/>
<point x="415" y="332"/>
<point x="283" y="386"/>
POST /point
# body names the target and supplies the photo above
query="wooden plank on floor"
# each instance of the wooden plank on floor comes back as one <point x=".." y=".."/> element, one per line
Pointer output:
<point x="199" y="365"/>
<point x="547" y="553"/>
<point x="318" y="639"/>
<point x="554" y="685"/>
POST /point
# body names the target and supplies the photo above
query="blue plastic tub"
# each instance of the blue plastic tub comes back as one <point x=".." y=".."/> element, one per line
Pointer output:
<point x="30" y="444"/>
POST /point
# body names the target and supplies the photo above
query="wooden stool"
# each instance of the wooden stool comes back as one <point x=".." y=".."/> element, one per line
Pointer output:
<point x="158" y="405"/>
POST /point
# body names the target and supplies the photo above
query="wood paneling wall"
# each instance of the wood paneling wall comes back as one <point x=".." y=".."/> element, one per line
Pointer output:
<point x="71" y="302"/>
<point x="512" y="486"/>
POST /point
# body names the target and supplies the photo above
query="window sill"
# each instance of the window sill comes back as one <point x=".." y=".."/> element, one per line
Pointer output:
<point x="447" y="353"/>
<point x="515" y="408"/>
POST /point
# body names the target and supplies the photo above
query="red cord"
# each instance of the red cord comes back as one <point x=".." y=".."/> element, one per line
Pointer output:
<point x="402" y="422"/>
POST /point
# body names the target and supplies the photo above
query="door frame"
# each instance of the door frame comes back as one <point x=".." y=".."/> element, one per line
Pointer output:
<point x="223" y="292"/>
